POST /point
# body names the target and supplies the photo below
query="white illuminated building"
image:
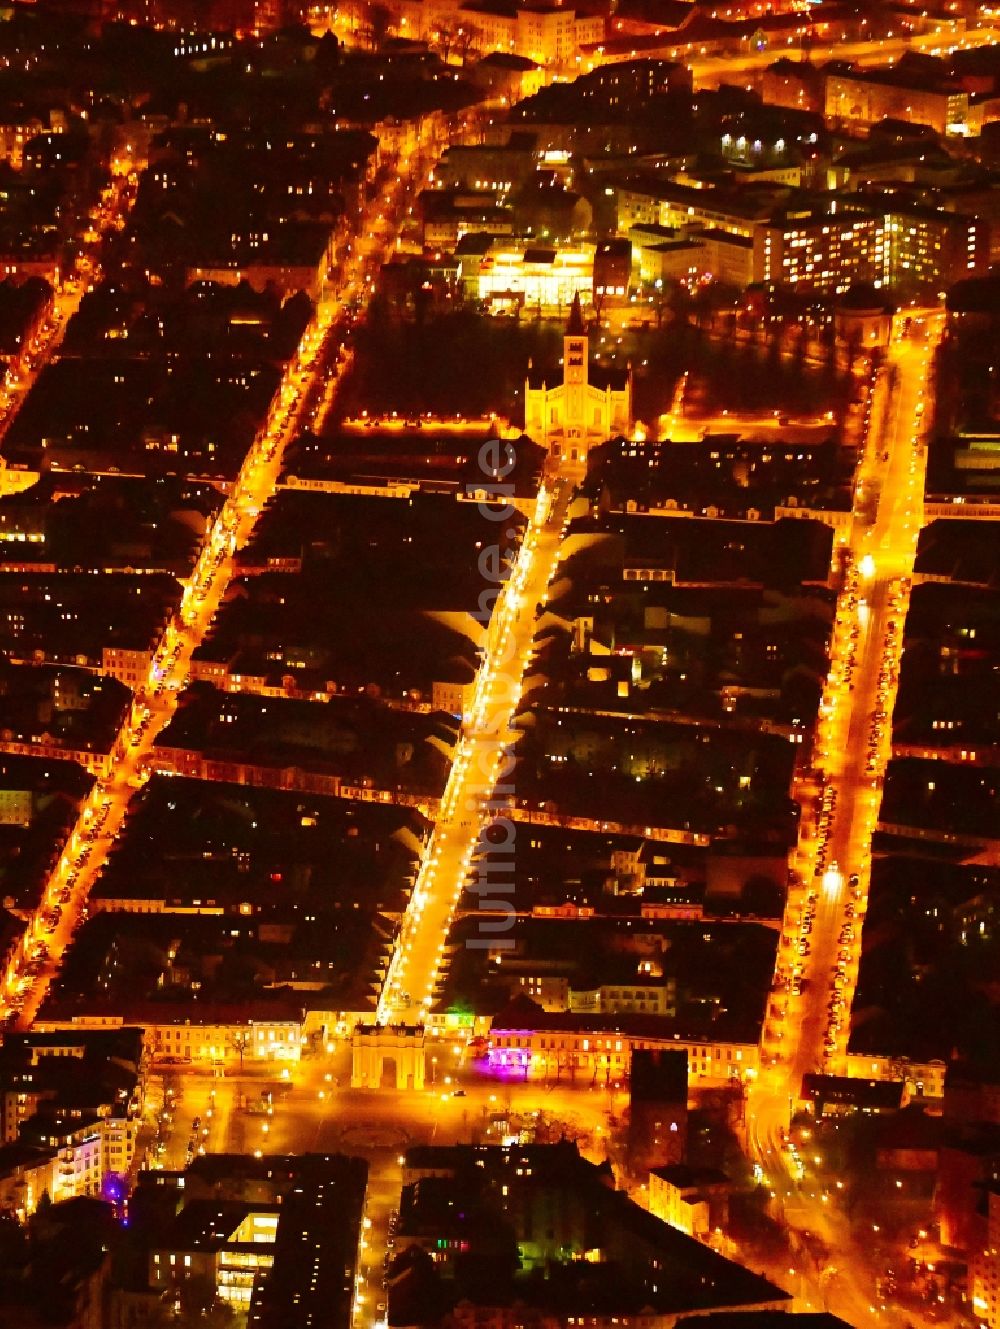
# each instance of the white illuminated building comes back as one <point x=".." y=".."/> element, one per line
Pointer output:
<point x="536" y="276"/>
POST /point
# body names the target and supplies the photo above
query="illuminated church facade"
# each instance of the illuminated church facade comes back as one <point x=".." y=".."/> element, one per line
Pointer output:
<point x="570" y="418"/>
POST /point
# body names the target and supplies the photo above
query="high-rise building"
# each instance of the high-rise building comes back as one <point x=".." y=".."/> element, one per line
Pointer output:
<point x="821" y="251"/>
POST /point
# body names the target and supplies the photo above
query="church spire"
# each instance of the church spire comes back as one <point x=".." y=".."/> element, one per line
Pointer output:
<point x="575" y="325"/>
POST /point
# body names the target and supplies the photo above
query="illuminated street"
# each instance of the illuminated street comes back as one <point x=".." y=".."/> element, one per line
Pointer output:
<point x="108" y="216"/>
<point x="465" y="805"/>
<point x="852" y="749"/>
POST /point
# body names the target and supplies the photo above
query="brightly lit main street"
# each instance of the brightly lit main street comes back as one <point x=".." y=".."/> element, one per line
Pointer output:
<point x="824" y="920"/>
<point x="480" y="762"/>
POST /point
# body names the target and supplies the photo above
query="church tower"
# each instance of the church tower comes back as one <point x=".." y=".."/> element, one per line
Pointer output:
<point x="576" y="356"/>
<point x="576" y="348"/>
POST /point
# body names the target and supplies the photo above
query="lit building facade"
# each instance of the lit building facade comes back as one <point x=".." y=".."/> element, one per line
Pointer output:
<point x="867" y="96"/>
<point x="119" y="1136"/>
<point x="536" y="276"/>
<point x="825" y="253"/>
<point x="643" y="996"/>
<point x="211" y="1040"/>
<point x="261" y="1040"/>
<point x="908" y="247"/>
<point x="583" y="1049"/>
<point x="927" y="248"/>
<point x="26" y="1174"/>
<point x="680" y="233"/>
<point x="548" y="35"/>
<point x="984" y="1268"/>
<point x="922" y="1079"/>
<point x="278" y="1237"/>
<point x="79" y="1163"/>
<point x="227" y="1249"/>
<point x="693" y="1200"/>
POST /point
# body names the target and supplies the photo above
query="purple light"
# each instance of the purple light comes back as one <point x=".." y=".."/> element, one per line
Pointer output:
<point x="496" y="1064"/>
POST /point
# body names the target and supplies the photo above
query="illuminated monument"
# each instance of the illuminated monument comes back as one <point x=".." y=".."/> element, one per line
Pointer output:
<point x="387" y="1056"/>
